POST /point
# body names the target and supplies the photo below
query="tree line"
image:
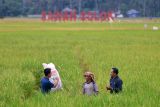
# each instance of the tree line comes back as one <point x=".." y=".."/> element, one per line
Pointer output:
<point x="147" y="8"/>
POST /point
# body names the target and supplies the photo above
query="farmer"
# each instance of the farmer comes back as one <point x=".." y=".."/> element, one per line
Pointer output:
<point x="115" y="82"/>
<point x="89" y="87"/>
<point x="46" y="85"/>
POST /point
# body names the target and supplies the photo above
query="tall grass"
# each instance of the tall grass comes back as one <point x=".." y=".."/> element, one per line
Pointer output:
<point x="136" y="53"/>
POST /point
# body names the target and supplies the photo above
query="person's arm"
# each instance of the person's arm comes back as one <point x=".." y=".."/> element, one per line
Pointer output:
<point x="55" y="82"/>
<point x="108" y="88"/>
<point x="83" y="89"/>
<point x="50" y="84"/>
<point x="95" y="88"/>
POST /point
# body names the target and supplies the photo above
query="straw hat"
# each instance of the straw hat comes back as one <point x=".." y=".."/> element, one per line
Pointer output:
<point x="88" y="73"/>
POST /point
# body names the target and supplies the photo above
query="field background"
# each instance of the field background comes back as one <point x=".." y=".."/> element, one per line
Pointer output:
<point x="74" y="47"/>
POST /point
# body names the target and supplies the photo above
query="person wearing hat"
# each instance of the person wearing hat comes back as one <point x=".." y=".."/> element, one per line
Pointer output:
<point x="89" y="86"/>
<point x="46" y="85"/>
<point x="115" y="82"/>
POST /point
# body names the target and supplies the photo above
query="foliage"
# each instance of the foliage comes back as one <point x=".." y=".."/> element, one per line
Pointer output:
<point x="147" y="8"/>
<point x="24" y="46"/>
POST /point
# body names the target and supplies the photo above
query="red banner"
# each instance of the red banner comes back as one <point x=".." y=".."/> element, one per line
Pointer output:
<point x="72" y="16"/>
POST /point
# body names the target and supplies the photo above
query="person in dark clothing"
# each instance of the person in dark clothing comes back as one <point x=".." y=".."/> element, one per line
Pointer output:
<point x="115" y="82"/>
<point x="46" y="85"/>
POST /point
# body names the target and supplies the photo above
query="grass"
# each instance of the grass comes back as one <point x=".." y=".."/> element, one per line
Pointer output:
<point x="25" y="45"/>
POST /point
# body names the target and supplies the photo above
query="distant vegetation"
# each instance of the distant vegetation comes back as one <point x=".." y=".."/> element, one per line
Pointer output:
<point x="147" y="8"/>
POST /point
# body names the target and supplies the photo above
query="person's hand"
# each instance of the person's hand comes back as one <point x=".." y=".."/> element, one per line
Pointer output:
<point x="55" y="82"/>
<point x="57" y="79"/>
<point x="108" y="88"/>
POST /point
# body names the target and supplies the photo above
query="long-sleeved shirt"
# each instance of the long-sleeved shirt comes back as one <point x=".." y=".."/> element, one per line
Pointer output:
<point x="90" y="88"/>
<point x="116" y="84"/>
<point x="46" y="85"/>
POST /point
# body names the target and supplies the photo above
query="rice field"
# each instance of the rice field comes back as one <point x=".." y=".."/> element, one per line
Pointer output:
<point x="75" y="47"/>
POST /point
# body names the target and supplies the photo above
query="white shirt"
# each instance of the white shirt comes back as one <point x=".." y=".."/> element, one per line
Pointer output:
<point x="89" y="88"/>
